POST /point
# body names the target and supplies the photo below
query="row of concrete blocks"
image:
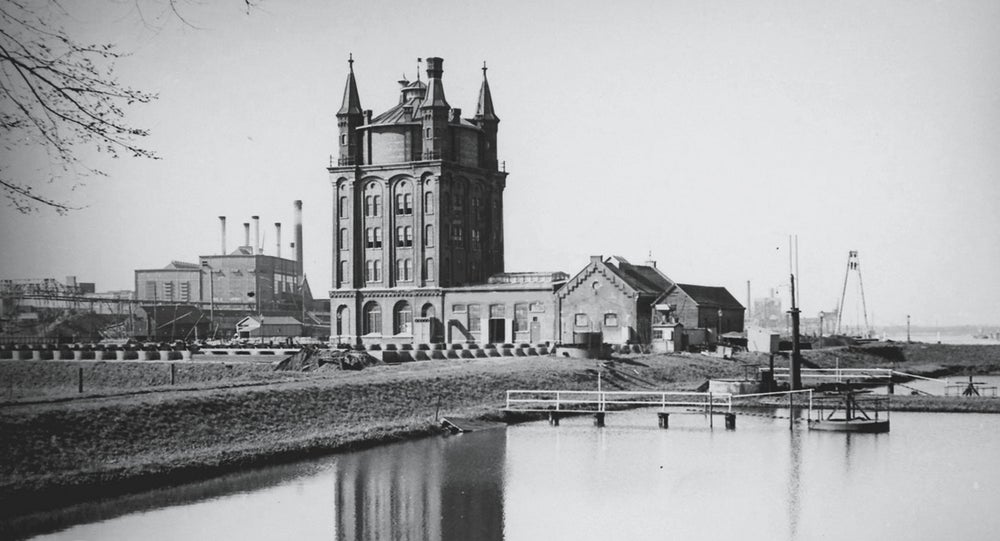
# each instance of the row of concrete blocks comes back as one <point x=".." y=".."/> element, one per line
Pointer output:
<point x="94" y="355"/>
<point x="243" y="351"/>
<point x="662" y="417"/>
<point x="402" y="356"/>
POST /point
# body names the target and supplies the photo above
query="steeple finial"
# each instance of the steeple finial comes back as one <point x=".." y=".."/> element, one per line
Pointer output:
<point x="350" y="61"/>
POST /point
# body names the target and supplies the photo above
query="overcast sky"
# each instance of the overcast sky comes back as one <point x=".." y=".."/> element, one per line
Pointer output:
<point x="702" y="132"/>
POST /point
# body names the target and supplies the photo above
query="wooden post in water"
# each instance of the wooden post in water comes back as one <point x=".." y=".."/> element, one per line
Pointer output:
<point x="79" y="380"/>
<point x="711" y="413"/>
<point x="664" y="419"/>
<point x="553" y="418"/>
<point x="173" y="374"/>
<point x="599" y="418"/>
<point x="730" y="421"/>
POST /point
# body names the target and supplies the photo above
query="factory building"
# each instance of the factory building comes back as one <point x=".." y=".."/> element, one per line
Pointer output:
<point x="227" y="287"/>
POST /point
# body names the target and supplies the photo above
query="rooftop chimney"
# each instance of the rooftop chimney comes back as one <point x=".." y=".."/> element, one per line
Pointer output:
<point x="222" y="225"/>
<point x="596" y="259"/>
<point x="277" y="240"/>
<point x="246" y="234"/>
<point x="256" y="249"/>
<point x="298" y="235"/>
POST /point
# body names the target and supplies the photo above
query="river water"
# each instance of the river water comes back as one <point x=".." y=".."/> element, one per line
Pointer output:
<point x="934" y="476"/>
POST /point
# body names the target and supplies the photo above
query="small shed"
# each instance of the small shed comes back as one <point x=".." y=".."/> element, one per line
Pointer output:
<point x="268" y="327"/>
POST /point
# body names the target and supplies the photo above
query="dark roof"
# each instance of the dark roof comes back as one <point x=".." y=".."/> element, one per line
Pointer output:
<point x="646" y="280"/>
<point x="711" y="296"/>
<point x="181" y="265"/>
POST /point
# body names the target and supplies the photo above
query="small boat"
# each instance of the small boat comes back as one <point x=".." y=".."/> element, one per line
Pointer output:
<point x="848" y="410"/>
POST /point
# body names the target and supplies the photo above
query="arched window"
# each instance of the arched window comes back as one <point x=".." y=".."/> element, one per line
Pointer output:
<point x="372" y="318"/>
<point x="404" y="202"/>
<point x="376" y="238"/>
<point x="404" y="236"/>
<point x="408" y="269"/>
<point x="377" y="205"/>
<point x="402" y="318"/>
<point x="343" y="206"/>
<point x="369" y="271"/>
<point x="429" y="311"/>
<point x="343" y="238"/>
<point x="429" y="203"/>
<point x="408" y="235"/>
<point x="429" y="235"/>
<point x="343" y="273"/>
<point x="369" y="204"/>
<point x="378" y="271"/>
<point x="429" y="268"/>
<point x="343" y="321"/>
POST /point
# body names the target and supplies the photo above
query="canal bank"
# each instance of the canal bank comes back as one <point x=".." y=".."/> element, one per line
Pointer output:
<point x="57" y="453"/>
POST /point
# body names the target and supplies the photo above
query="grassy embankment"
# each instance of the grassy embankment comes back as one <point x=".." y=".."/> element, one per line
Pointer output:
<point x="57" y="452"/>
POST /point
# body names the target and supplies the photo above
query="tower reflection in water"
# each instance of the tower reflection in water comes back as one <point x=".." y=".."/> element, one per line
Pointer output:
<point x="440" y="489"/>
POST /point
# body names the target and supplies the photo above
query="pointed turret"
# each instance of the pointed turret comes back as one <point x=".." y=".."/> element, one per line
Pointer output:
<point x="484" y="108"/>
<point x="349" y="118"/>
<point x="434" y="111"/>
<point x="486" y="118"/>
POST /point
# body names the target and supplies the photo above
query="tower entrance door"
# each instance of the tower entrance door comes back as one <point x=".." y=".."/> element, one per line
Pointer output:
<point x="497" y="328"/>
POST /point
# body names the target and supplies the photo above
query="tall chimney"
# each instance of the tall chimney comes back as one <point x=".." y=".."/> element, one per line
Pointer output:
<point x="246" y="234"/>
<point x="277" y="240"/>
<point x="256" y="235"/>
<point x="298" y="235"/>
<point x="222" y="225"/>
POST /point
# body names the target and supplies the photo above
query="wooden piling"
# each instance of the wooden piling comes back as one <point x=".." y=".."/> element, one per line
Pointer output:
<point x="553" y="418"/>
<point x="664" y="419"/>
<point x="599" y="418"/>
<point x="730" y="421"/>
<point x="173" y="373"/>
<point x="79" y="380"/>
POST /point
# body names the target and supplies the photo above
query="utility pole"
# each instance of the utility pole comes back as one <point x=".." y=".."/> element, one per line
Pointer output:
<point x="907" y="328"/>
<point x="796" y="355"/>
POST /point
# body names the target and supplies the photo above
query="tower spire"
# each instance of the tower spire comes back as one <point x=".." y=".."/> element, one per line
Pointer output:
<point x="351" y="105"/>
<point x="484" y="107"/>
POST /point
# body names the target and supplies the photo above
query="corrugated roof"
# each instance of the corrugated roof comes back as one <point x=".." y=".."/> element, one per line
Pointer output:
<point x="711" y="296"/>
<point x="182" y="265"/>
<point x="277" y="320"/>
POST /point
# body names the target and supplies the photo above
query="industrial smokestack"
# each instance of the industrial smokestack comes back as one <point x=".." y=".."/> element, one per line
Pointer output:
<point x="222" y="226"/>
<point x="277" y="240"/>
<point x="246" y="234"/>
<point x="256" y="235"/>
<point x="298" y="235"/>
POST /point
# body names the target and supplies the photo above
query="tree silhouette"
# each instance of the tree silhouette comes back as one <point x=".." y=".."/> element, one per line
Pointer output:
<point x="61" y="96"/>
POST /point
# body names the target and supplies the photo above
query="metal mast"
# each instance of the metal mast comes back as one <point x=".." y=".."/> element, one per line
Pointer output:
<point x="853" y="265"/>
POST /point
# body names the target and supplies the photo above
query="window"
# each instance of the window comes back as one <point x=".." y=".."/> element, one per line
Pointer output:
<point x="610" y="320"/>
<point x="429" y="203"/>
<point x="372" y="319"/>
<point x="404" y="236"/>
<point x="458" y="308"/>
<point x="456" y="232"/>
<point x="185" y="291"/>
<point x="404" y="203"/>
<point x="343" y="238"/>
<point x="150" y="289"/>
<point x="520" y="317"/>
<point x="402" y="318"/>
<point x="369" y="205"/>
<point x="657" y="334"/>
<point x="427" y="133"/>
<point x="429" y="235"/>
<point x="373" y="237"/>
<point x="343" y="273"/>
<point x="429" y="268"/>
<point x="343" y="320"/>
<point x="581" y="320"/>
<point x="168" y="290"/>
<point x="536" y="307"/>
<point x="343" y="207"/>
<point x="343" y="139"/>
<point x="497" y="311"/>
<point x="475" y="239"/>
<point x="404" y="270"/>
<point x="373" y="270"/>
<point x="475" y="321"/>
<point x="377" y="205"/>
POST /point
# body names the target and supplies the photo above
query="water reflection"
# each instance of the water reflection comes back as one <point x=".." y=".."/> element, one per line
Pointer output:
<point x="448" y="489"/>
<point x="794" y="465"/>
